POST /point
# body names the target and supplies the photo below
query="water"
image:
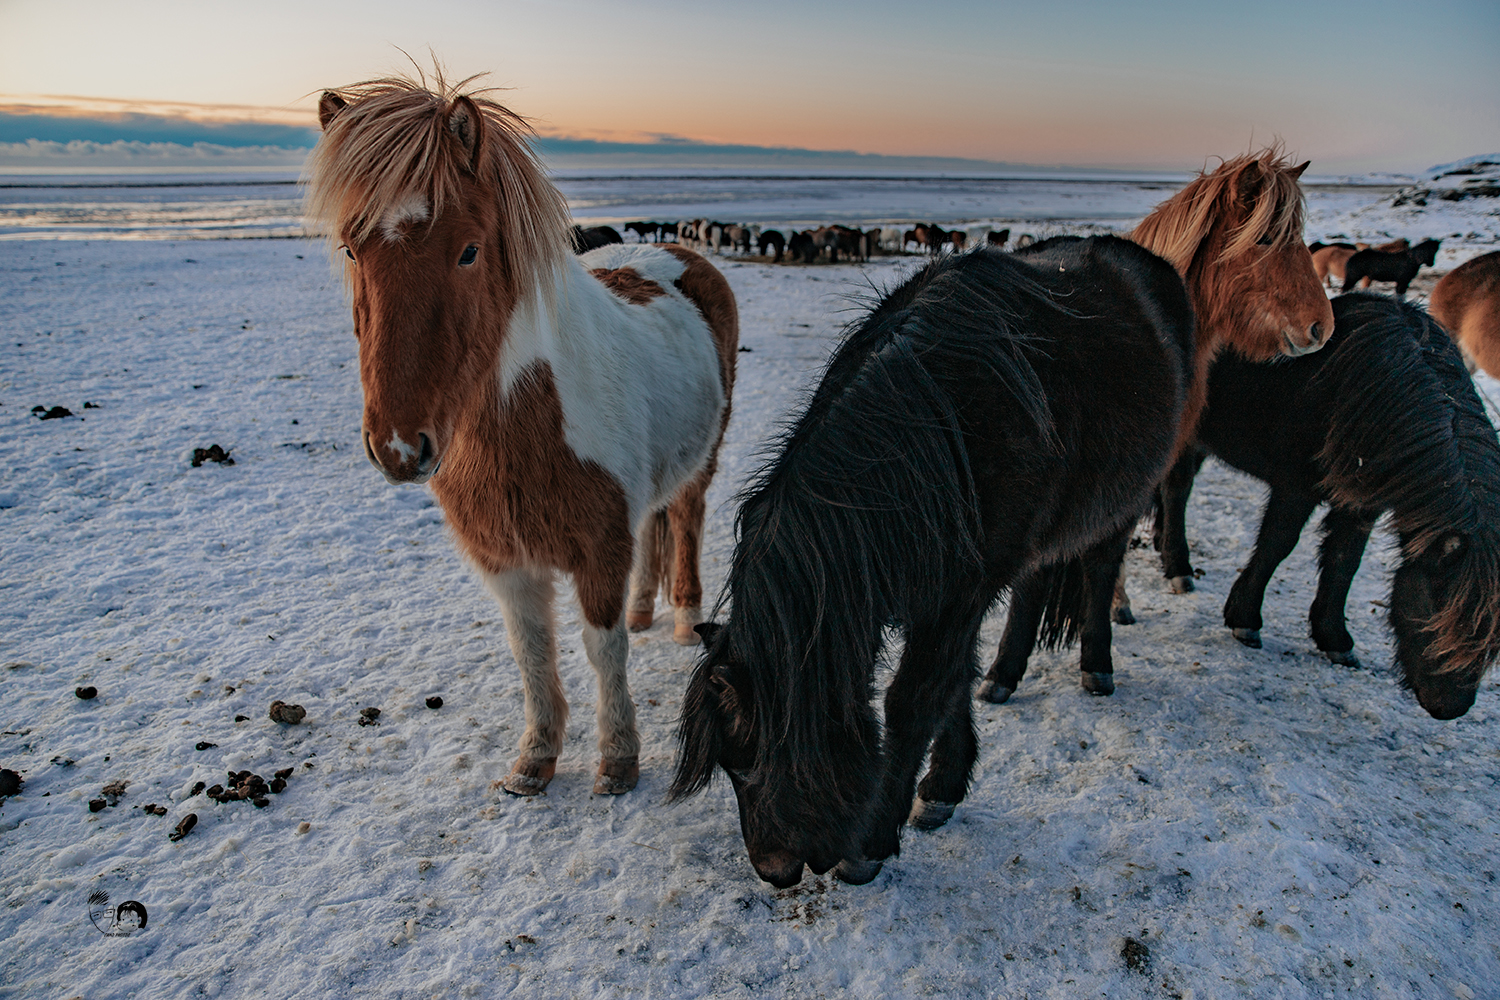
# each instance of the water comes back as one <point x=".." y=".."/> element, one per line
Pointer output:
<point x="266" y="206"/>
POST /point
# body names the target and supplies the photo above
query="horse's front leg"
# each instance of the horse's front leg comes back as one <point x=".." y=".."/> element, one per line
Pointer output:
<point x="1345" y="534"/>
<point x="1280" y="528"/>
<point x="525" y="597"/>
<point x="937" y="667"/>
<point x="602" y="595"/>
<point x="1170" y="530"/>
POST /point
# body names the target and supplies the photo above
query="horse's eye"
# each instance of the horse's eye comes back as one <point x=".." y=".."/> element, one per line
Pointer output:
<point x="348" y="253"/>
<point x="470" y="252"/>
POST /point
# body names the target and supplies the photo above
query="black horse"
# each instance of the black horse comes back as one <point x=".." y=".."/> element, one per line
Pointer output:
<point x="993" y="413"/>
<point x="772" y="239"/>
<point x="594" y="237"/>
<point x="1385" y="418"/>
<point x="1382" y="265"/>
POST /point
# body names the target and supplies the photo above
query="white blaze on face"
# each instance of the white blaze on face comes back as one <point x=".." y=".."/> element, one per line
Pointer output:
<point x="400" y="447"/>
<point x="412" y="208"/>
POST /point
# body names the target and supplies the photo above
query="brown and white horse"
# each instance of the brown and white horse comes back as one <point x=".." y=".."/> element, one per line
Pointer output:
<point x="567" y="410"/>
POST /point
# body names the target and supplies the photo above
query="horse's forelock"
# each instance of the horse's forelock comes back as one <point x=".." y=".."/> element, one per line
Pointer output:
<point x="1178" y="227"/>
<point x="391" y="140"/>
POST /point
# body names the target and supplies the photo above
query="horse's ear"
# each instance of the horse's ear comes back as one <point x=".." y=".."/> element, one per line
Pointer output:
<point x="708" y="631"/>
<point x="467" y="126"/>
<point x="329" y="106"/>
<point x="1297" y="171"/>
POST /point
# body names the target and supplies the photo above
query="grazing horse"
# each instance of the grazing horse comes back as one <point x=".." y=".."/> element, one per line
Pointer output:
<point x="989" y="415"/>
<point x="1378" y="265"/>
<point x="1466" y="301"/>
<point x="567" y="410"/>
<point x="773" y="239"/>
<point x="594" y="237"/>
<point x="643" y="230"/>
<point x="1235" y="236"/>
<point x="997" y="239"/>
<point x="1385" y="418"/>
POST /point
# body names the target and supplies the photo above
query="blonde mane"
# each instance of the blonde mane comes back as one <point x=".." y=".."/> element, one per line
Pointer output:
<point x="1177" y="228"/>
<point x="393" y="139"/>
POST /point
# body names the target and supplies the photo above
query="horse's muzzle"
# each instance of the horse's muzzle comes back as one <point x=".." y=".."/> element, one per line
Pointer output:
<point x="426" y="464"/>
<point x="1316" y="338"/>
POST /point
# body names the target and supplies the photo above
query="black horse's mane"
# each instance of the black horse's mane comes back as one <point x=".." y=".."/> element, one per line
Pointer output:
<point x="1406" y="425"/>
<point x="1408" y="432"/>
<point x="868" y="512"/>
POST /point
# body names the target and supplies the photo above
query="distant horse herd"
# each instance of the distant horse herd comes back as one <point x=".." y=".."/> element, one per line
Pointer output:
<point x="828" y="243"/>
<point x="995" y="425"/>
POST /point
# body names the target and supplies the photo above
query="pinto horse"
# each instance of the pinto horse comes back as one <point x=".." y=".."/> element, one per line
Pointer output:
<point x="1235" y="236"/>
<point x="1385" y="418"/>
<point x="567" y="411"/>
<point x="1466" y="301"/>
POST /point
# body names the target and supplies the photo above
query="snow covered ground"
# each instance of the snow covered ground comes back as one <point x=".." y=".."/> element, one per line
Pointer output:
<point x="1257" y="822"/>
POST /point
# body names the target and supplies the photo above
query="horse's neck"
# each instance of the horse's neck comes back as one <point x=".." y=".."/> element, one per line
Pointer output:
<point x="545" y="324"/>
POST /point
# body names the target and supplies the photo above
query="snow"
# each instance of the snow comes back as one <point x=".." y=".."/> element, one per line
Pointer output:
<point x="1262" y="821"/>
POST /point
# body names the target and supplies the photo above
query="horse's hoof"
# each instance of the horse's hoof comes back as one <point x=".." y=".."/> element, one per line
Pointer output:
<point x="1181" y="584"/>
<point x="1097" y="683"/>
<point x="639" y="621"/>
<point x="856" y="872"/>
<point x="684" y="620"/>
<point x="529" y="776"/>
<point x="616" y="777"/>
<point x="1347" y="658"/>
<point x="929" y="815"/>
<point x="994" y="692"/>
<point x="1123" y="616"/>
<point x="1248" y="636"/>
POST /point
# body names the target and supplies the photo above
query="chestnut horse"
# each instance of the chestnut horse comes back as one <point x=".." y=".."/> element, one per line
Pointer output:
<point x="567" y="411"/>
<point x="1466" y="301"/>
<point x="995" y="417"/>
<point x="1235" y="236"/>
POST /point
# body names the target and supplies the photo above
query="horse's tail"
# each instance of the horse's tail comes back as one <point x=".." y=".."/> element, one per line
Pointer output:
<point x="1064" y="605"/>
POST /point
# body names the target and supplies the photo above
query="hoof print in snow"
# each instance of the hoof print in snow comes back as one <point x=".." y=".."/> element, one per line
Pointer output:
<point x="10" y="783"/>
<point x="213" y="453"/>
<point x="183" y="828"/>
<point x="55" y="413"/>
<point x="287" y="714"/>
<point x="1136" y="955"/>
<point x="86" y="693"/>
<point x="369" y="716"/>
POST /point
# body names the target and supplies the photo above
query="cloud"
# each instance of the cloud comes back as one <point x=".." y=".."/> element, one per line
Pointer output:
<point x="45" y="156"/>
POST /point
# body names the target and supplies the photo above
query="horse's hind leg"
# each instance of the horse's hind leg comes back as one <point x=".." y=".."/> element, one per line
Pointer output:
<point x="1286" y="512"/>
<point x="651" y="542"/>
<point x="1345" y="534"/>
<point x="1171" y="520"/>
<point x="1027" y="598"/>
<point x="525" y="598"/>
<point x="1102" y="565"/>
<point x="686" y="517"/>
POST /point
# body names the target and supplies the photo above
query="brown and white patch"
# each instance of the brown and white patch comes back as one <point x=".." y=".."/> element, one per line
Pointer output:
<point x="629" y="284"/>
<point x="412" y="208"/>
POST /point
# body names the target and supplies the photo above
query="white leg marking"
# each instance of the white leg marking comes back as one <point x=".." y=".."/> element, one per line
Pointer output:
<point x="525" y="598"/>
<point x="607" y="650"/>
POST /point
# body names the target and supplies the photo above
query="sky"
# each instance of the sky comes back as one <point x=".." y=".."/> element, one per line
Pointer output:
<point x="1369" y="86"/>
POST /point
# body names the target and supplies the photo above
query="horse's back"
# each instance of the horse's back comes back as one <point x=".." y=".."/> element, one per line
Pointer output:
<point x="1467" y="302"/>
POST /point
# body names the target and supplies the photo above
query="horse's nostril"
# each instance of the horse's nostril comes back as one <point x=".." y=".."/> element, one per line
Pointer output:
<point x="370" y="452"/>
<point x="426" y="455"/>
<point x="1315" y="334"/>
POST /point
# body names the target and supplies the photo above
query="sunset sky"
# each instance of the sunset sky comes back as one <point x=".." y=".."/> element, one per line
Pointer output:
<point x="1374" y="85"/>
